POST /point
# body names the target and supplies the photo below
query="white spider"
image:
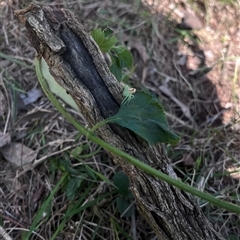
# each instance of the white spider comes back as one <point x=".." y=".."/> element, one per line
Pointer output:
<point x="128" y="94"/>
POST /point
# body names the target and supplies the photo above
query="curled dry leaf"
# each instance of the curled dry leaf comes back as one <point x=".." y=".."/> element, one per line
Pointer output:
<point x="137" y="44"/>
<point x="18" y="154"/>
<point x="38" y="193"/>
<point x="31" y="96"/>
<point x="188" y="161"/>
<point x="13" y="185"/>
<point x="234" y="172"/>
<point x="4" y="139"/>
<point x="22" y="133"/>
<point x="37" y="196"/>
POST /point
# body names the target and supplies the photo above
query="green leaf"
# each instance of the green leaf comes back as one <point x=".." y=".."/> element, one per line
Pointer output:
<point x="115" y="68"/>
<point x="198" y="163"/>
<point x="108" y="43"/>
<point x="232" y="237"/>
<point x="55" y="87"/>
<point x="91" y="172"/>
<point x="65" y="165"/>
<point x="72" y="186"/>
<point x="104" y="42"/>
<point x="121" y="57"/>
<point x="121" y="181"/>
<point x="145" y="117"/>
<point x="98" y="36"/>
<point x="108" y="31"/>
<point x="124" y="56"/>
<point x="77" y="150"/>
<point x="123" y="205"/>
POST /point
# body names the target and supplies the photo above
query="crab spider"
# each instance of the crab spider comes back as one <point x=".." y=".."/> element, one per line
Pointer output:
<point x="128" y="94"/>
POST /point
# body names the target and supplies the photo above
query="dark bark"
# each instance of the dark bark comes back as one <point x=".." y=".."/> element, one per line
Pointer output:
<point x="78" y="66"/>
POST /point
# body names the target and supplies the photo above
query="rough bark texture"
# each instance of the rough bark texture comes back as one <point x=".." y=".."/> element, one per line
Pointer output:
<point x="78" y="66"/>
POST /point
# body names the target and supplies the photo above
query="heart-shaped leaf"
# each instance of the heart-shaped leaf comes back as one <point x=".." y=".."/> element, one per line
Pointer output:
<point x="145" y="116"/>
<point x="104" y="41"/>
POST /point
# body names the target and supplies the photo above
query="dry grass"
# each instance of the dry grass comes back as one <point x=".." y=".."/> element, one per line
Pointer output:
<point x="202" y="108"/>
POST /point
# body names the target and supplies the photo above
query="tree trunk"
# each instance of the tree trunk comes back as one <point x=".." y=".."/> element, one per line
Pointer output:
<point x="78" y="66"/>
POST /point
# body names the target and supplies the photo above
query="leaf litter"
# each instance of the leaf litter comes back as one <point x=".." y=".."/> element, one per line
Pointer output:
<point x="18" y="154"/>
<point x="4" y="139"/>
<point x="31" y="96"/>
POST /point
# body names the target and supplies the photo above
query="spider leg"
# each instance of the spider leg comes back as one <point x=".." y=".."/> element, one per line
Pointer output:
<point x="127" y="99"/>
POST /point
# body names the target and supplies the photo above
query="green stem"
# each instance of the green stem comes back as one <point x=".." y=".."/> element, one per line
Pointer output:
<point x="102" y="123"/>
<point x="160" y="175"/>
